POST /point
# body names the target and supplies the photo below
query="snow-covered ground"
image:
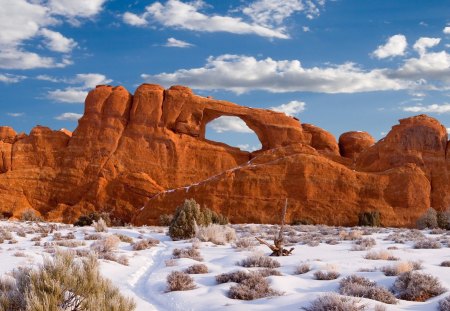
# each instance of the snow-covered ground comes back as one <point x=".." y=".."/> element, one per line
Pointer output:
<point x="323" y="248"/>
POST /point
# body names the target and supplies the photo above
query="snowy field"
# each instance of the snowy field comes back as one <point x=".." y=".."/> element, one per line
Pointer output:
<point x="142" y="274"/>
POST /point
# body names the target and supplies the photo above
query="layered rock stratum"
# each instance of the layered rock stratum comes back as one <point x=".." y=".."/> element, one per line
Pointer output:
<point x="139" y="156"/>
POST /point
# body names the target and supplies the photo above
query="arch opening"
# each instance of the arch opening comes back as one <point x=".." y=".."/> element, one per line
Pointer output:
<point x="232" y="131"/>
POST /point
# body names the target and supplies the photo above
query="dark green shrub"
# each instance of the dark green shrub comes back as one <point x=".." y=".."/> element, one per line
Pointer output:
<point x="443" y="220"/>
<point x="88" y="220"/>
<point x="370" y="219"/>
<point x="165" y="220"/>
<point x="188" y="216"/>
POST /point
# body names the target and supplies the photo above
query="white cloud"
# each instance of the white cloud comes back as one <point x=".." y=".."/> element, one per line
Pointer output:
<point x="15" y="114"/>
<point x="448" y="130"/>
<point x="278" y="76"/>
<point x="69" y="116"/>
<point x="55" y="41"/>
<point x="395" y="46"/>
<point x="446" y="30"/>
<point x="176" y="14"/>
<point x="133" y="19"/>
<point x="292" y="108"/>
<point x="9" y="78"/>
<point x="424" y="43"/>
<point x="78" y="94"/>
<point x="47" y="78"/>
<point x="249" y="148"/>
<point x="229" y="124"/>
<point x="75" y="9"/>
<point x="272" y="13"/>
<point x="20" y="59"/>
<point x="174" y="43"/>
<point x="444" y="108"/>
<point x="306" y="29"/>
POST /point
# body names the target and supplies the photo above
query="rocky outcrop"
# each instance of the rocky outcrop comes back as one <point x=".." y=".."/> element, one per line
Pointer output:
<point x="139" y="156"/>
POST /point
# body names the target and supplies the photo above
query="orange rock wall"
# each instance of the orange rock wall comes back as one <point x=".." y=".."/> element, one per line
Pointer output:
<point x="139" y="156"/>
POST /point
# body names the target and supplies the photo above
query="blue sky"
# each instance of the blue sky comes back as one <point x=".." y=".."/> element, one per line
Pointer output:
<point x="341" y="65"/>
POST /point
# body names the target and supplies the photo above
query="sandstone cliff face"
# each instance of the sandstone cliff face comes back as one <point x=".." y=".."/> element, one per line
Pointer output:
<point x="139" y="156"/>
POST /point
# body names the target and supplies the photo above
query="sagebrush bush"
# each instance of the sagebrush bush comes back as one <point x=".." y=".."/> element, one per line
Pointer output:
<point x="62" y="284"/>
<point x="415" y="286"/>
<point x="445" y="263"/>
<point x="245" y="243"/>
<point x="428" y="219"/>
<point x="179" y="281"/>
<point x="380" y="255"/>
<point x="326" y="275"/>
<point x="358" y="286"/>
<point x="217" y="234"/>
<point x="302" y="268"/>
<point x="190" y="252"/>
<point x="399" y="268"/>
<point x="370" y="219"/>
<point x="444" y="304"/>
<point x="165" y="220"/>
<point x="30" y="215"/>
<point x="427" y="244"/>
<point x="144" y="244"/>
<point x="124" y="238"/>
<point x="188" y="216"/>
<point x="253" y="287"/>
<point x="259" y="261"/>
<point x="334" y="302"/>
<point x="100" y="225"/>
<point x="235" y="276"/>
<point x="197" y="269"/>
<point x="443" y="219"/>
<point x="105" y="245"/>
<point x="363" y="244"/>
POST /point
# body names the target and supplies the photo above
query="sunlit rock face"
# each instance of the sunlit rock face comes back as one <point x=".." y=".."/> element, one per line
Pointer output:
<point x="139" y="156"/>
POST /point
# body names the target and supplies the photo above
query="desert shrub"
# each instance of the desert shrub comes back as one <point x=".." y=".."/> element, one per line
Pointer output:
<point x="235" y="276"/>
<point x="179" y="281"/>
<point x="253" y="287"/>
<point x="427" y="244"/>
<point x="370" y="219"/>
<point x="401" y="267"/>
<point x="380" y="255"/>
<point x="69" y="243"/>
<point x="415" y="286"/>
<point x="326" y="275"/>
<point x="100" y="225"/>
<point x="363" y="244"/>
<point x="124" y="238"/>
<point x="86" y="220"/>
<point x="358" y="286"/>
<point x="259" y="261"/>
<point x="165" y="220"/>
<point x="30" y="215"/>
<point x="302" y="268"/>
<point x="197" y="269"/>
<point x="190" y="252"/>
<point x="144" y="244"/>
<point x="428" y="219"/>
<point x="216" y="234"/>
<point x="444" y="304"/>
<point x="267" y="272"/>
<point x="62" y="284"/>
<point x="245" y="243"/>
<point x="443" y="219"/>
<point x="93" y="236"/>
<point x="334" y="302"/>
<point x="445" y="263"/>
<point x="188" y="216"/>
<point x="350" y="235"/>
<point x="106" y="245"/>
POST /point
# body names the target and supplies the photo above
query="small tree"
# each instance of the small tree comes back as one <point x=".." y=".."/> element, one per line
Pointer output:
<point x="428" y="220"/>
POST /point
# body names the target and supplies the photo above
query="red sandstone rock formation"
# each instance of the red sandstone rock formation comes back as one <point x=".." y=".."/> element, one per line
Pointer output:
<point x="138" y="156"/>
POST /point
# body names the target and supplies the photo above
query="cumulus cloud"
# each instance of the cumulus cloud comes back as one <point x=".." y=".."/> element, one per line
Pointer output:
<point x="446" y="30"/>
<point x="435" y="108"/>
<point x="9" y="78"/>
<point x="174" y="43"/>
<point x="77" y="94"/>
<point x="22" y="21"/>
<point x="249" y="148"/>
<point x="69" y="116"/>
<point x="229" y="124"/>
<point x="293" y="108"/>
<point x="180" y="15"/>
<point x="278" y="76"/>
<point x="395" y="46"/>
<point x="424" y="43"/>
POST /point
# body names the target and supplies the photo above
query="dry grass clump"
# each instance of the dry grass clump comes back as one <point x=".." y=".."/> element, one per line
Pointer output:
<point x="326" y="275"/>
<point x="380" y="255"/>
<point x="401" y="267"/>
<point x="444" y="304"/>
<point x="302" y="268"/>
<point x="350" y="235"/>
<point x="62" y="284"/>
<point x="253" y="287"/>
<point x="197" y="269"/>
<point x="69" y="243"/>
<point x="246" y="243"/>
<point x="363" y="244"/>
<point x="415" y="286"/>
<point x="105" y="245"/>
<point x="402" y="236"/>
<point x="259" y="261"/>
<point x="445" y="263"/>
<point x="179" y="281"/>
<point x="124" y="238"/>
<point x="93" y="237"/>
<point x="190" y="252"/>
<point x="100" y="225"/>
<point x="358" y="286"/>
<point x="427" y="244"/>
<point x="217" y="234"/>
<point x="144" y="244"/>
<point x="334" y="302"/>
